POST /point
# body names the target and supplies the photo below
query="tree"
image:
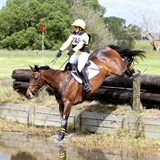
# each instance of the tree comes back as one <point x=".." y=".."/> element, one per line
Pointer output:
<point x="95" y="26"/>
<point x="22" y="18"/>
<point x="147" y="18"/>
<point x="92" y="4"/>
<point x="125" y="35"/>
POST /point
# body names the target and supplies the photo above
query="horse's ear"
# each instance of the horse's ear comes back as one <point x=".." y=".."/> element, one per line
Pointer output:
<point x="32" y="68"/>
<point x="36" y="68"/>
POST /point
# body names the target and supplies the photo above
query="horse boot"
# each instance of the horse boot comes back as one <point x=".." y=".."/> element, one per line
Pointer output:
<point x="132" y="73"/>
<point x="63" y="132"/>
<point x="87" y="85"/>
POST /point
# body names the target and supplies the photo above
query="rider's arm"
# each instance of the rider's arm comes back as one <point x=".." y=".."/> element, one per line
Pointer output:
<point x="66" y="43"/>
<point x="84" y="40"/>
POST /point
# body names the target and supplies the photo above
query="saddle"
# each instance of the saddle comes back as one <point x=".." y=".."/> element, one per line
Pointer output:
<point x="91" y="68"/>
<point x="73" y="69"/>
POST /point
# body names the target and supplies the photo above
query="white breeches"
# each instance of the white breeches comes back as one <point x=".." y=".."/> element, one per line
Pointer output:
<point x="80" y="60"/>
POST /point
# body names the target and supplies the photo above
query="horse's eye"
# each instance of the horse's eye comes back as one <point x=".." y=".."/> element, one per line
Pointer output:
<point x="32" y="76"/>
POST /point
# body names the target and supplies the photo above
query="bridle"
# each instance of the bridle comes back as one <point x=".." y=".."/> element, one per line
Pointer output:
<point x="37" y="85"/>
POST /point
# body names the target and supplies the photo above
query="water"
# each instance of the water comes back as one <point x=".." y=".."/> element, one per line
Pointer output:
<point x="19" y="146"/>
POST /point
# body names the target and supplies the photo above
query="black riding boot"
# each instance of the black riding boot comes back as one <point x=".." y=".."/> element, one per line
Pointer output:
<point x="87" y="86"/>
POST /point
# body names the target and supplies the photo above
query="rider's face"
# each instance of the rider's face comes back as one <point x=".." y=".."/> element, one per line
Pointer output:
<point x="76" y="29"/>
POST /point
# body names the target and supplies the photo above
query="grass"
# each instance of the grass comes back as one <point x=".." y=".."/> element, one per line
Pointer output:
<point x="9" y="126"/>
<point x="121" y="140"/>
<point x="9" y="95"/>
<point x="150" y="64"/>
<point x="11" y="60"/>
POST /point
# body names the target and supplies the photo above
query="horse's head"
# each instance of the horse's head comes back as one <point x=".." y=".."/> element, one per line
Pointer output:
<point x="36" y="82"/>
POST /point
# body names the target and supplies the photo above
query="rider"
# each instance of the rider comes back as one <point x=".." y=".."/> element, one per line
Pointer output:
<point x="80" y="52"/>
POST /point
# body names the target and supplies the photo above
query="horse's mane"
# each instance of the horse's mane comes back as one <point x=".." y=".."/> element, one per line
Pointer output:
<point x="37" y="68"/>
<point x="44" y="67"/>
<point x="124" y="51"/>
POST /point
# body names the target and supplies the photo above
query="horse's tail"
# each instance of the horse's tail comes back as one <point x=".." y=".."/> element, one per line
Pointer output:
<point x="127" y="53"/>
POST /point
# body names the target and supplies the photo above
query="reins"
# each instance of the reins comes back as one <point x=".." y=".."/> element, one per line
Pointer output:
<point x="58" y="69"/>
<point x="54" y="61"/>
<point x="36" y="85"/>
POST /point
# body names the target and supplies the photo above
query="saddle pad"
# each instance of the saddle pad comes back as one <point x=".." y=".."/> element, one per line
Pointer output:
<point x="92" y="70"/>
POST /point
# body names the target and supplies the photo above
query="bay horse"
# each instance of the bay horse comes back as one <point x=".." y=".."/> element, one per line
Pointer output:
<point x="111" y="60"/>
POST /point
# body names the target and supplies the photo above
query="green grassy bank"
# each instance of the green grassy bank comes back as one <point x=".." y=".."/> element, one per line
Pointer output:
<point x="10" y="60"/>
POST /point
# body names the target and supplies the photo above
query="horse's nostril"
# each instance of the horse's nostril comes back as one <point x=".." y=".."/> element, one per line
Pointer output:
<point x="28" y="96"/>
<point x="34" y="93"/>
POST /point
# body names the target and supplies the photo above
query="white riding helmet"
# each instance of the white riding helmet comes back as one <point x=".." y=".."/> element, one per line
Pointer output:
<point x="79" y="23"/>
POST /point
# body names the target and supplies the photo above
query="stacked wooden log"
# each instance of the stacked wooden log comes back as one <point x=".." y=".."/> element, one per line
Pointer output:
<point x="21" y="80"/>
<point x="119" y="90"/>
<point x="115" y="89"/>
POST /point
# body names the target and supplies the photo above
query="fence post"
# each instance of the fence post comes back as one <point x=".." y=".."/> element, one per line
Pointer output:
<point x="77" y="120"/>
<point x="31" y="116"/>
<point x="136" y="103"/>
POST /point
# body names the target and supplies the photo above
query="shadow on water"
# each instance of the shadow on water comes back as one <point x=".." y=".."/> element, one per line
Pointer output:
<point x="19" y="146"/>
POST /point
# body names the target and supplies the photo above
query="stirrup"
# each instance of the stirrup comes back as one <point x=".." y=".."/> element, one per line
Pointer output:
<point x="87" y="87"/>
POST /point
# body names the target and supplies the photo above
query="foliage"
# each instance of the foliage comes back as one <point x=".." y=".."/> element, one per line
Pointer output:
<point x="21" y="21"/>
<point x="95" y="26"/>
<point x="92" y="4"/>
<point x="125" y="35"/>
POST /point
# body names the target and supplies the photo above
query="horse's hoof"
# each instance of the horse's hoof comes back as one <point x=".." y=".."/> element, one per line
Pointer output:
<point x="60" y="136"/>
<point x="57" y="138"/>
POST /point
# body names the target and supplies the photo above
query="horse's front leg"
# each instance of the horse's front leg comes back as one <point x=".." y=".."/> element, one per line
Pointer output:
<point x="64" y="123"/>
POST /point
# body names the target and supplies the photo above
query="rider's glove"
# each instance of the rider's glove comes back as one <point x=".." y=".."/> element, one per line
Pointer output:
<point x="59" y="53"/>
<point x="70" y="52"/>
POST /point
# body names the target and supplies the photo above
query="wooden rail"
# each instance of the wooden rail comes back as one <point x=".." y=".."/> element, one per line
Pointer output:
<point x="82" y="120"/>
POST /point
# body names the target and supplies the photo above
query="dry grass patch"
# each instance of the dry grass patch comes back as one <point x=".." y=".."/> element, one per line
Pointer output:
<point x="9" y="126"/>
<point x="121" y="141"/>
<point x="9" y="95"/>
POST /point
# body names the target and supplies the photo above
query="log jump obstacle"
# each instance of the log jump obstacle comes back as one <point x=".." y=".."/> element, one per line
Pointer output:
<point x="143" y="90"/>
